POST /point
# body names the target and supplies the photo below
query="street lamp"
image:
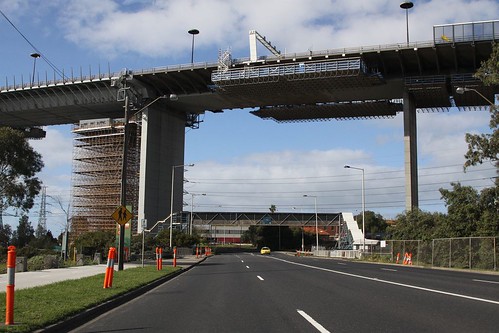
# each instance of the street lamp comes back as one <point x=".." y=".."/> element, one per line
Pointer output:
<point x="316" y="226"/>
<point x="462" y="90"/>
<point x="124" y="162"/>
<point x="363" y="207"/>
<point x="193" y="32"/>
<point x="192" y="211"/>
<point x="171" y="198"/>
<point x="34" y="56"/>
<point x="407" y="5"/>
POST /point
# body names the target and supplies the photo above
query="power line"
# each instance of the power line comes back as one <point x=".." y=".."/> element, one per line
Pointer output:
<point x="33" y="46"/>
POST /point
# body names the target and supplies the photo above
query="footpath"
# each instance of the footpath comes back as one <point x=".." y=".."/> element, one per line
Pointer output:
<point x="47" y="276"/>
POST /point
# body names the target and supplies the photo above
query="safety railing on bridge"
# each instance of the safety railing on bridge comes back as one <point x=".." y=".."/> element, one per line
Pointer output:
<point x="342" y="65"/>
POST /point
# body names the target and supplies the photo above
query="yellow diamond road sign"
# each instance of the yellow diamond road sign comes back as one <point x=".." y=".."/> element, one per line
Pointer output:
<point x="122" y="215"/>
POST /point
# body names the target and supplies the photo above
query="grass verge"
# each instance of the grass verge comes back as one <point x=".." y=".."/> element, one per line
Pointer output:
<point x="39" y="307"/>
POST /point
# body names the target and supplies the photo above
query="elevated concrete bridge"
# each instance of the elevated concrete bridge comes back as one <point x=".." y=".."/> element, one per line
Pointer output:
<point x="363" y="82"/>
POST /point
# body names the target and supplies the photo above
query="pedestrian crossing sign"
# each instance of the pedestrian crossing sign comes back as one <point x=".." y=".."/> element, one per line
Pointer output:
<point x="122" y="215"/>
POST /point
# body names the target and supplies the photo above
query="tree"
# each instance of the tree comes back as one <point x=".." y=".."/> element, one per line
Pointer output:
<point x="463" y="208"/>
<point x="485" y="147"/>
<point x="415" y="224"/>
<point x="98" y="241"/>
<point x="375" y="224"/>
<point x="24" y="233"/>
<point x="19" y="163"/>
<point x="5" y="235"/>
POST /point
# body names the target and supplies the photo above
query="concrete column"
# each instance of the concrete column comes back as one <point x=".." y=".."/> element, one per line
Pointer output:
<point x="410" y="153"/>
<point x="162" y="146"/>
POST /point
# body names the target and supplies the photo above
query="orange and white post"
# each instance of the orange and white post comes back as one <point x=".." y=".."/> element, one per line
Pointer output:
<point x="175" y="256"/>
<point x="9" y="295"/>
<point x="108" y="278"/>
<point x="160" y="263"/>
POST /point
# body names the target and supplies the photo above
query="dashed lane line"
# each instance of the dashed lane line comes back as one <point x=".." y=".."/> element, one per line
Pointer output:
<point x="486" y="281"/>
<point x="312" y="321"/>
<point x="259" y="277"/>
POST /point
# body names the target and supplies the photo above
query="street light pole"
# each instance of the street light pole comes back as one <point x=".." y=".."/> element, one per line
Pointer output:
<point x="34" y="55"/>
<point x="192" y="211"/>
<point x="316" y="221"/>
<point x="407" y="5"/>
<point x="171" y="198"/>
<point x="363" y="207"/>
<point x="124" y="163"/>
<point x="462" y="90"/>
<point x="193" y="32"/>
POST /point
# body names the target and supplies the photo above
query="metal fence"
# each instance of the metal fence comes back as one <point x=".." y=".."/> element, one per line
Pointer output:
<point x="465" y="252"/>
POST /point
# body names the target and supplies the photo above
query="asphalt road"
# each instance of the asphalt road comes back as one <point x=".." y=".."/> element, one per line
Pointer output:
<point x="281" y="293"/>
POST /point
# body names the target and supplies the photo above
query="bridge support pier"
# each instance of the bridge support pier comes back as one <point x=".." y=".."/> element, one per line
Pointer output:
<point x="410" y="153"/>
<point x="162" y="146"/>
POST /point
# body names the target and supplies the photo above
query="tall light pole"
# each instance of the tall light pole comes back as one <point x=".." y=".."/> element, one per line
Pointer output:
<point x="407" y="5"/>
<point x="192" y="211"/>
<point x="171" y="197"/>
<point x="316" y="221"/>
<point x="193" y="32"/>
<point x="124" y="163"/>
<point x="34" y="56"/>
<point x="363" y="207"/>
<point x="462" y="90"/>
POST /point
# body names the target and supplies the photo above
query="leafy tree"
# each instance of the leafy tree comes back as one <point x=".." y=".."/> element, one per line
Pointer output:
<point x="19" y="164"/>
<point x="485" y="147"/>
<point x="98" y="241"/>
<point x="375" y="224"/>
<point x="24" y="233"/>
<point x="463" y="208"/>
<point x="273" y="209"/>
<point x="416" y="224"/>
<point x="5" y="235"/>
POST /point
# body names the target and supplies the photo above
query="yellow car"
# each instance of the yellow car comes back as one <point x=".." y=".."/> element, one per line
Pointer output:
<point x="265" y="250"/>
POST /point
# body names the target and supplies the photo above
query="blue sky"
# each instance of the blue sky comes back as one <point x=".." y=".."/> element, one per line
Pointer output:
<point x="244" y="163"/>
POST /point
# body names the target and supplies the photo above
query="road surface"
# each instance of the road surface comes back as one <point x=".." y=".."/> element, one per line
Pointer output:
<point x="281" y="293"/>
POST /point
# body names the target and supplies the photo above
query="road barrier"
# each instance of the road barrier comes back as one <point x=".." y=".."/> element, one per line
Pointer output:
<point x="159" y="258"/>
<point x="407" y="259"/>
<point x="108" y="278"/>
<point x="9" y="295"/>
<point x="175" y="256"/>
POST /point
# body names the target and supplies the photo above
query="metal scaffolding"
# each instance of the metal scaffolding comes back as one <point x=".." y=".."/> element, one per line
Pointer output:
<point x="96" y="178"/>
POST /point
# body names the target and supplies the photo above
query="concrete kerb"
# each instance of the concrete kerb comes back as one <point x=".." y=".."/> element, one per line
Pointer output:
<point x="81" y="318"/>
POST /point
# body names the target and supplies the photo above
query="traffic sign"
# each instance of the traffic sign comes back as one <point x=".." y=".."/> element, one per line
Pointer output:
<point x="122" y="215"/>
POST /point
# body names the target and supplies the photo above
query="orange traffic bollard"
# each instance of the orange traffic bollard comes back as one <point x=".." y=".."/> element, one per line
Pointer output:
<point x="398" y="257"/>
<point x="175" y="256"/>
<point x="197" y="252"/>
<point x="9" y="295"/>
<point x="108" y="278"/>
<point x="160" y="258"/>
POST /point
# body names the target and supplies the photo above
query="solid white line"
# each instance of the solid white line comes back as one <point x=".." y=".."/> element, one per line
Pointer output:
<point x="388" y="269"/>
<point x="258" y="276"/>
<point x="392" y="283"/>
<point x="485" y="281"/>
<point x="311" y="320"/>
<point x="247" y="267"/>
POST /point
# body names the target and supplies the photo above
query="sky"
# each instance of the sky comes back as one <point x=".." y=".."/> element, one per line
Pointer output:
<point x="244" y="163"/>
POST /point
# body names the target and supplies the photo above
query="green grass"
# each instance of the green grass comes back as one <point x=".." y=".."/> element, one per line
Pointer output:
<point x="39" y="307"/>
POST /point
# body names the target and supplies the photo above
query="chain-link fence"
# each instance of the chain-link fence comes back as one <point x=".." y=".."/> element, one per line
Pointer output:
<point x="465" y="252"/>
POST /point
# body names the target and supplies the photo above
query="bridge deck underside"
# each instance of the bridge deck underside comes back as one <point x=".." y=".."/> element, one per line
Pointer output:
<point x="326" y="111"/>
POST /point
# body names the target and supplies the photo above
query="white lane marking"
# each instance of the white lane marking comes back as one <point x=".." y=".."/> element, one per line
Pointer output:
<point x="247" y="267"/>
<point x="242" y="260"/>
<point x="392" y="282"/>
<point x="486" y="281"/>
<point x="259" y="277"/>
<point x="311" y="320"/>
<point x="388" y="269"/>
